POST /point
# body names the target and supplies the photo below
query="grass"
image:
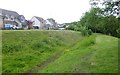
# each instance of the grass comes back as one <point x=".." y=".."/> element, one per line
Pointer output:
<point x="23" y="50"/>
<point x="95" y="54"/>
<point x="0" y="51"/>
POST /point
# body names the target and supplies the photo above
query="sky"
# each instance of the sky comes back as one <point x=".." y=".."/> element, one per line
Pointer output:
<point x="63" y="11"/>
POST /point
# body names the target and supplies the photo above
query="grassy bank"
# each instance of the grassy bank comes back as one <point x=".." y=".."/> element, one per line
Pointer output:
<point x="23" y="50"/>
<point x="95" y="54"/>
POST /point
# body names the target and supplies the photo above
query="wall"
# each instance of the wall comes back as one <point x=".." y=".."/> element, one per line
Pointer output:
<point x="36" y="22"/>
<point x="1" y="22"/>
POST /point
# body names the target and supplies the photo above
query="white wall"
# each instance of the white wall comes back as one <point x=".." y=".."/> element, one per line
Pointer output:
<point x="36" y="22"/>
<point x="48" y="22"/>
<point x="1" y="12"/>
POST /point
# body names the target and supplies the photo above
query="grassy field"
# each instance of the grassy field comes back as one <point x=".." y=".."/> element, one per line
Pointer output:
<point x="0" y="52"/>
<point x="95" y="54"/>
<point x="23" y="50"/>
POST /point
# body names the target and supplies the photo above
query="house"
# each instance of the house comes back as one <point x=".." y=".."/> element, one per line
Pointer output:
<point x="52" y="24"/>
<point x="11" y="19"/>
<point x="1" y="22"/>
<point x="38" y="23"/>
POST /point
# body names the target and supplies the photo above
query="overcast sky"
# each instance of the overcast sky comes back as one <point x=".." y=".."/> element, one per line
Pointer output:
<point x="63" y="11"/>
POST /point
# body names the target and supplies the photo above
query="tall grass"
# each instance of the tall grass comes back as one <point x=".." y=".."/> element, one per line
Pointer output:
<point x="95" y="54"/>
<point x="23" y="50"/>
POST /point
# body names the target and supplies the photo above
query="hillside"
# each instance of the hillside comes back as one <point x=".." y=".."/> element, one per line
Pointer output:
<point x="96" y="54"/>
<point x="23" y="50"/>
<point x="58" y="52"/>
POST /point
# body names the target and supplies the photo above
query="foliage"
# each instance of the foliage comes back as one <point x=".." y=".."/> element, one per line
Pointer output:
<point x="88" y="41"/>
<point x="111" y="7"/>
<point x="71" y="27"/>
<point x="85" y="31"/>
<point x="98" y="23"/>
<point x="100" y="20"/>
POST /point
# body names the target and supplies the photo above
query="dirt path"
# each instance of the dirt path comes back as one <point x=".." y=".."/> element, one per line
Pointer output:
<point x="45" y="63"/>
<point x="48" y="61"/>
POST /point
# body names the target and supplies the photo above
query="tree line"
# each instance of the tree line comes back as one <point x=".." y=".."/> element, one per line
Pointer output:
<point x="100" y="20"/>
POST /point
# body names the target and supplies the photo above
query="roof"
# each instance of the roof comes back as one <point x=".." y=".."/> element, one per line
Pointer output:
<point x="52" y="21"/>
<point x="8" y="12"/>
<point x="39" y="18"/>
<point x="18" y="18"/>
<point x="48" y="22"/>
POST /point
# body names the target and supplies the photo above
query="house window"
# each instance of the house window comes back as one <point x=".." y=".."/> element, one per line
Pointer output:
<point x="12" y="18"/>
<point x="22" y="19"/>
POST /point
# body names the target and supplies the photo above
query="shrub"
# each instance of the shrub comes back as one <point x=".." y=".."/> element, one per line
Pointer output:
<point x="90" y="32"/>
<point x="85" y="31"/>
<point x="88" y="41"/>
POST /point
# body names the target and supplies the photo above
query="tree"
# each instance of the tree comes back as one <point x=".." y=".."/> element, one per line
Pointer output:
<point x="71" y="27"/>
<point x="91" y="19"/>
<point x="112" y="7"/>
<point x="98" y="23"/>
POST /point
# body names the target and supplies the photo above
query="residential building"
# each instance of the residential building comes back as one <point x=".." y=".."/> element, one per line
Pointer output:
<point x="1" y="22"/>
<point x="12" y="18"/>
<point x="38" y="22"/>
<point x="52" y="24"/>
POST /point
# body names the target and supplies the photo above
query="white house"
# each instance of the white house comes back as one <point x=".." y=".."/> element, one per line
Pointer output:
<point x="52" y="24"/>
<point x="38" y="22"/>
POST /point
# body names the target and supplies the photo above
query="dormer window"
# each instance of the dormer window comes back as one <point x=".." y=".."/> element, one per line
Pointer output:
<point x="12" y="18"/>
<point x="22" y="19"/>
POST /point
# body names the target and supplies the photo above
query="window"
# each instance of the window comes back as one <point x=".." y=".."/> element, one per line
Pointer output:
<point x="22" y="19"/>
<point x="12" y="18"/>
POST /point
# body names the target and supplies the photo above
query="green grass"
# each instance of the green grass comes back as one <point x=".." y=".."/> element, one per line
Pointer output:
<point x="0" y="51"/>
<point x="23" y="50"/>
<point x="95" y="54"/>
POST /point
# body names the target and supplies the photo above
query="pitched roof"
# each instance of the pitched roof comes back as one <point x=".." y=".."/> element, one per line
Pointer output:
<point x="52" y="21"/>
<point x="39" y="18"/>
<point x="8" y="12"/>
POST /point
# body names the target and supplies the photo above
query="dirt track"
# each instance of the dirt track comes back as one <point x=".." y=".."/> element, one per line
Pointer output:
<point x="45" y="63"/>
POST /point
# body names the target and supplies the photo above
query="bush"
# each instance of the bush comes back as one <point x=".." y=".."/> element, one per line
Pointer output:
<point x="118" y="32"/>
<point x="90" y="32"/>
<point x="85" y="31"/>
<point x="88" y="41"/>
